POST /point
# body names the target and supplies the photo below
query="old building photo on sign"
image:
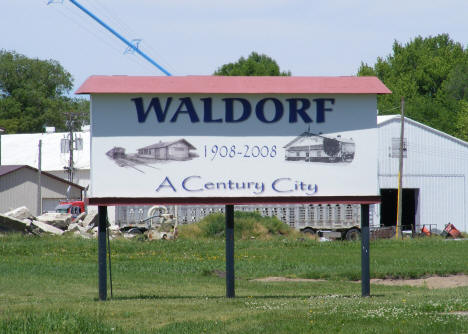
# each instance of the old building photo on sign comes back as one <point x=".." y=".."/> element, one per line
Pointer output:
<point x="310" y="147"/>
<point x="179" y="150"/>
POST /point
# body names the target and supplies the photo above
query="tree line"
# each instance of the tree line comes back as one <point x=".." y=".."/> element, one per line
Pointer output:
<point x="34" y="94"/>
<point x="431" y="73"/>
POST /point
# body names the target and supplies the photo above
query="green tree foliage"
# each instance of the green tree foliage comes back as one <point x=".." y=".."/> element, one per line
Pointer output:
<point x="431" y="74"/>
<point x="457" y="89"/>
<point x="457" y="81"/>
<point x="255" y="65"/>
<point x="33" y="94"/>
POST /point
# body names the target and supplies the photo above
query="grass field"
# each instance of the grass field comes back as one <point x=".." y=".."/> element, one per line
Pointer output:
<point x="49" y="285"/>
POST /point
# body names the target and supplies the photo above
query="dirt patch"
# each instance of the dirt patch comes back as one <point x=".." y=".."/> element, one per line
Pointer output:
<point x="463" y="313"/>
<point x="286" y="279"/>
<point x="433" y="282"/>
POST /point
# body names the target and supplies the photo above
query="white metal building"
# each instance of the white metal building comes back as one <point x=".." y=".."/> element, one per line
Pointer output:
<point x="435" y="171"/>
<point x="23" y="149"/>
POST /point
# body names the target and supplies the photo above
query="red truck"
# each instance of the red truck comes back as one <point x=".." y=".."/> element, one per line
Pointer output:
<point x="72" y="207"/>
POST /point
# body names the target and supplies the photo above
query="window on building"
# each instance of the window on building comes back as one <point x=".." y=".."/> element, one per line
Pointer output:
<point x="64" y="145"/>
<point x="395" y="150"/>
<point x="79" y="144"/>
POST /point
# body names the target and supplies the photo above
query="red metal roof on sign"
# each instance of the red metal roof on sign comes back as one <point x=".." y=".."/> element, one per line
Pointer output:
<point x="231" y="85"/>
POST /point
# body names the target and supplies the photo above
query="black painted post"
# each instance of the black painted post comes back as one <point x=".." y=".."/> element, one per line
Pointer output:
<point x="230" y="290"/>
<point x="102" y="231"/>
<point x="365" y="267"/>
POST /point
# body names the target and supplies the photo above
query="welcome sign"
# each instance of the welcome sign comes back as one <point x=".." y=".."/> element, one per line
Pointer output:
<point x="242" y="139"/>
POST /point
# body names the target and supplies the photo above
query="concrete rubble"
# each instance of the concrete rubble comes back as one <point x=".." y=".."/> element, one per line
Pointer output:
<point x="20" y="213"/>
<point x="43" y="227"/>
<point x="84" y="225"/>
<point x="23" y="221"/>
<point x="56" y="219"/>
<point x="90" y="219"/>
<point x="11" y="224"/>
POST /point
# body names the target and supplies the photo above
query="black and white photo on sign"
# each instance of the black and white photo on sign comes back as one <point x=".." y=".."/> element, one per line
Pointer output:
<point x="178" y="150"/>
<point x="310" y="147"/>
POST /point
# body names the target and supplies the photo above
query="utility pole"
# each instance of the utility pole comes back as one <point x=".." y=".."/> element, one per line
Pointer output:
<point x="39" y="184"/>
<point x="2" y="130"/>
<point x="68" y="145"/>
<point x="400" y="170"/>
<point x="71" y="168"/>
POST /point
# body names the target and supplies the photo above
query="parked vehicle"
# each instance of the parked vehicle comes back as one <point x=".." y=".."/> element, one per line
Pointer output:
<point x="159" y="225"/>
<point x="338" y="221"/>
<point x="72" y="207"/>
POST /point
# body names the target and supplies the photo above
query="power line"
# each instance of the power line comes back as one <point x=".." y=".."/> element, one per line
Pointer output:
<point x="112" y="16"/>
<point x="99" y="35"/>
<point x="115" y="33"/>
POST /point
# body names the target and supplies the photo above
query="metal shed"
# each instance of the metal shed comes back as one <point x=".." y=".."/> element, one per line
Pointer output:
<point x="434" y="175"/>
<point x="19" y="187"/>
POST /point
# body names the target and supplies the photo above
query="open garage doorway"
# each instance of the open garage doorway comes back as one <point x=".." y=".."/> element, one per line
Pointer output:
<point x="388" y="208"/>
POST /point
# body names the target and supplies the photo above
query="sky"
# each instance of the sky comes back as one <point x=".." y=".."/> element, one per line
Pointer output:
<point x="308" y="38"/>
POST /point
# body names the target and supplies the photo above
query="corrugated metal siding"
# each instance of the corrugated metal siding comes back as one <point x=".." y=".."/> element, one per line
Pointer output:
<point x="52" y="188"/>
<point x="441" y="198"/>
<point x="435" y="164"/>
<point x="19" y="188"/>
<point x="428" y="152"/>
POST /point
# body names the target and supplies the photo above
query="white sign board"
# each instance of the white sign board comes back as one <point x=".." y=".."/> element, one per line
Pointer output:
<point x="233" y="145"/>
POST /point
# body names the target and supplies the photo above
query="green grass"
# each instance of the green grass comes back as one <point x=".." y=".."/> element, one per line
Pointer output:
<point x="49" y="285"/>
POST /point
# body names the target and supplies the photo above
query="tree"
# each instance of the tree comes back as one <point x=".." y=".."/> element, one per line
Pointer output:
<point x="255" y="65"/>
<point x="33" y="94"/>
<point x="462" y="121"/>
<point x="456" y="84"/>
<point x="331" y="146"/>
<point x="457" y="88"/>
<point x="420" y="71"/>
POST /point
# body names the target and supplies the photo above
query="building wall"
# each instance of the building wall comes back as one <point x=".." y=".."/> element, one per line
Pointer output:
<point x="178" y="151"/>
<point x="81" y="176"/>
<point x="436" y="164"/>
<point x="19" y="188"/>
<point x="160" y="153"/>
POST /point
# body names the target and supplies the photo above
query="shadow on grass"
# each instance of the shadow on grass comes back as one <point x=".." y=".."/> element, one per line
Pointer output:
<point x="159" y="297"/>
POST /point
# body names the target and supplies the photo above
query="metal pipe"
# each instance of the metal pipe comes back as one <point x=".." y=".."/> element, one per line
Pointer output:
<point x="123" y="39"/>
<point x="230" y="288"/>
<point x="110" y="263"/>
<point x="102" y="227"/>
<point x="399" y="224"/>
<point x="39" y="182"/>
<point x="365" y="265"/>
<point x="2" y="131"/>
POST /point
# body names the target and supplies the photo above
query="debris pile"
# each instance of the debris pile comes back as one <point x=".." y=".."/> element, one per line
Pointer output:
<point x="159" y="224"/>
<point x="22" y="220"/>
